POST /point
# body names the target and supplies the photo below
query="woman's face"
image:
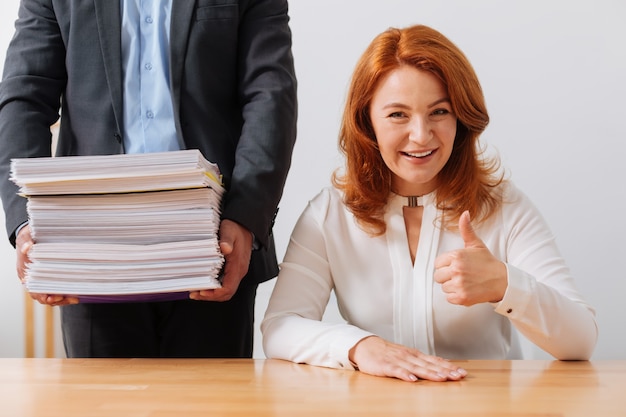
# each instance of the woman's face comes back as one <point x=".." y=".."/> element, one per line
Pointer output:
<point x="415" y="128"/>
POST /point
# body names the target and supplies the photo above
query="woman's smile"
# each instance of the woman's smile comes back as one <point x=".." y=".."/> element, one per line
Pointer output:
<point x="415" y="128"/>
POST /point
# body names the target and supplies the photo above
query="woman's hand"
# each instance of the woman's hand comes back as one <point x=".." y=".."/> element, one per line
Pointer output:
<point x="23" y="243"/>
<point x="376" y="356"/>
<point x="471" y="275"/>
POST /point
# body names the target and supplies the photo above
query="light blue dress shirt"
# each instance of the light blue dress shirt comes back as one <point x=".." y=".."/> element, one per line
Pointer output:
<point x="148" y="111"/>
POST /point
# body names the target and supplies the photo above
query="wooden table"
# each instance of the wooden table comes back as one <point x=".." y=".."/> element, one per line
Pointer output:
<point x="217" y="387"/>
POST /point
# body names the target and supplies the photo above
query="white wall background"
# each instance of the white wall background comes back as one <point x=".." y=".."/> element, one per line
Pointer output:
<point x="554" y="75"/>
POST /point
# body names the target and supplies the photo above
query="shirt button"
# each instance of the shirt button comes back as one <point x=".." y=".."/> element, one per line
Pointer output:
<point x="149" y="19"/>
<point x="149" y="114"/>
<point x="509" y="311"/>
<point x="148" y="66"/>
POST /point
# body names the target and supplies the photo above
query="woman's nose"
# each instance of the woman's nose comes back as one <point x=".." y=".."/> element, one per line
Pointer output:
<point x="419" y="130"/>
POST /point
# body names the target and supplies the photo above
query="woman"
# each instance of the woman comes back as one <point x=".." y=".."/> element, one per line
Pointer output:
<point x="431" y="253"/>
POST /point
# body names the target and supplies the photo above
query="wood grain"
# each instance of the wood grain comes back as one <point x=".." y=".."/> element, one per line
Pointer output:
<point x="238" y="387"/>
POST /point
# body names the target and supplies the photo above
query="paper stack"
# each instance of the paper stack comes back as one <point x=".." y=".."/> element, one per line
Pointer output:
<point x="122" y="227"/>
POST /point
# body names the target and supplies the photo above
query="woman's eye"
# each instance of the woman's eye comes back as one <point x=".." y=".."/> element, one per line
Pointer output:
<point x="396" y="114"/>
<point x="440" y="112"/>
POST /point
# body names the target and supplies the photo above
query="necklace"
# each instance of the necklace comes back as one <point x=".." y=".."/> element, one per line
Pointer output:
<point x="414" y="201"/>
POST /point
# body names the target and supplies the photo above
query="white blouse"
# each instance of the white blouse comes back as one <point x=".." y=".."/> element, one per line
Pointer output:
<point x="380" y="291"/>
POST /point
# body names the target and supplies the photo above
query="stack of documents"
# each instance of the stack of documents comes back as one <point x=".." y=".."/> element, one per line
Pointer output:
<point x="122" y="227"/>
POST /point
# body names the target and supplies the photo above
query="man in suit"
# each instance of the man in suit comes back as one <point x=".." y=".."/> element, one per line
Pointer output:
<point x="158" y="75"/>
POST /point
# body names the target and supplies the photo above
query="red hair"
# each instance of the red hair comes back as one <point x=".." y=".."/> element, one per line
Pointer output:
<point x="467" y="180"/>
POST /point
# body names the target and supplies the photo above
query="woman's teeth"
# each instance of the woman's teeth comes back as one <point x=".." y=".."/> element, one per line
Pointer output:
<point x="419" y="154"/>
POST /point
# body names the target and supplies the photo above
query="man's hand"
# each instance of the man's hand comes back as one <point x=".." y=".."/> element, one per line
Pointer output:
<point x="236" y="246"/>
<point x="23" y="243"/>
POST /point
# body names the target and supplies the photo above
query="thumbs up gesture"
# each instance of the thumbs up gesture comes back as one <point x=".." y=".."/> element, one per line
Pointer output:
<point x="470" y="275"/>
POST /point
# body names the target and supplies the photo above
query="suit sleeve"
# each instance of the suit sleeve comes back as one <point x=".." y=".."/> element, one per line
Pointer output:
<point x="267" y="90"/>
<point x="30" y="93"/>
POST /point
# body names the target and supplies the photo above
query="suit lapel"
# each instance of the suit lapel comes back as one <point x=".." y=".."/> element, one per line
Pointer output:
<point x="109" y="29"/>
<point x="182" y="13"/>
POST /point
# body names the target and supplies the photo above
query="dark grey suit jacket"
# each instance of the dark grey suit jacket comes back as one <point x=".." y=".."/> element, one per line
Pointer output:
<point x="233" y="89"/>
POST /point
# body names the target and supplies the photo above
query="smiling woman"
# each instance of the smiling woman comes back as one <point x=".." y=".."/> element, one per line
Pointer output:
<point x="415" y="127"/>
<point x="414" y="71"/>
<point x="417" y="283"/>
